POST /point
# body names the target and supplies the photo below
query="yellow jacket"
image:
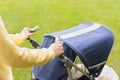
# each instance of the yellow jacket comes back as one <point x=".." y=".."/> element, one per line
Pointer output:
<point x="13" y="56"/>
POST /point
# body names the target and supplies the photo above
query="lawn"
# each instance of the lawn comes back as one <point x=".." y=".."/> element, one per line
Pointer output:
<point x="56" y="15"/>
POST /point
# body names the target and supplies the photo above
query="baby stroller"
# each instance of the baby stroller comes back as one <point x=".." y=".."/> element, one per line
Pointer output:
<point x="91" y="42"/>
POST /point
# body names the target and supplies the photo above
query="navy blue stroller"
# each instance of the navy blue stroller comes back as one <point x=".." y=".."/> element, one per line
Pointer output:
<point x="91" y="42"/>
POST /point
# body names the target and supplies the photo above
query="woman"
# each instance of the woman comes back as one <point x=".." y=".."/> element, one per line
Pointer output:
<point x="13" y="56"/>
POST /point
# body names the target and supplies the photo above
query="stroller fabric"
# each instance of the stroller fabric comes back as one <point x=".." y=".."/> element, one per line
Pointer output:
<point x="92" y="42"/>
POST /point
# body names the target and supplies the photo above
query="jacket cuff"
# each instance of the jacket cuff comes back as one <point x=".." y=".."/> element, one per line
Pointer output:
<point x="51" y="52"/>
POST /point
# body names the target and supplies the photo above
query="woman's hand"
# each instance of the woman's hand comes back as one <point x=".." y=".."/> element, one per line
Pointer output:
<point x="58" y="48"/>
<point x="28" y="32"/>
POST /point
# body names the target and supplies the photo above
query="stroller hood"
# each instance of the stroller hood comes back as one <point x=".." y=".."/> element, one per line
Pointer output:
<point x="92" y="42"/>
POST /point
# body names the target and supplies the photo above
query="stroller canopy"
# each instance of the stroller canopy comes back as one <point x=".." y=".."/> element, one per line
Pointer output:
<point x="92" y="42"/>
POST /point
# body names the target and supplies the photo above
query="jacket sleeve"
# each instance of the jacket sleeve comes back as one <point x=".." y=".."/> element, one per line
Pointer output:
<point x="17" y="38"/>
<point x="15" y="56"/>
<point x="23" y="57"/>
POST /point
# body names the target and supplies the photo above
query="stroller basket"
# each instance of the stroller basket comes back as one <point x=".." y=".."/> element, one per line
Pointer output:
<point x="92" y="42"/>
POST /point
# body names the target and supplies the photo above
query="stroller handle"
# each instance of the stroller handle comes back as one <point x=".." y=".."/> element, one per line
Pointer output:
<point x="34" y="43"/>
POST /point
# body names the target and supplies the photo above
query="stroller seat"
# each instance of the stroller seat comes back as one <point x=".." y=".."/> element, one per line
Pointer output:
<point x="91" y="42"/>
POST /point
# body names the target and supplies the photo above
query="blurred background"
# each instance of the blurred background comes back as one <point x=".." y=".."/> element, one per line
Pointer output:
<point x="56" y="15"/>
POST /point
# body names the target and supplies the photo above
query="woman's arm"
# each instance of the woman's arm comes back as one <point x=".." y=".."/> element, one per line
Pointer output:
<point x="15" y="56"/>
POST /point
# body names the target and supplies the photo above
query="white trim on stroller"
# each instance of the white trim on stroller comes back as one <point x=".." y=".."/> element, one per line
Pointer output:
<point x="79" y="32"/>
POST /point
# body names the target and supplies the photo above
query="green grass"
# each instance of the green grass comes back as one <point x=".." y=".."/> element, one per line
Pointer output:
<point x="56" y="15"/>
